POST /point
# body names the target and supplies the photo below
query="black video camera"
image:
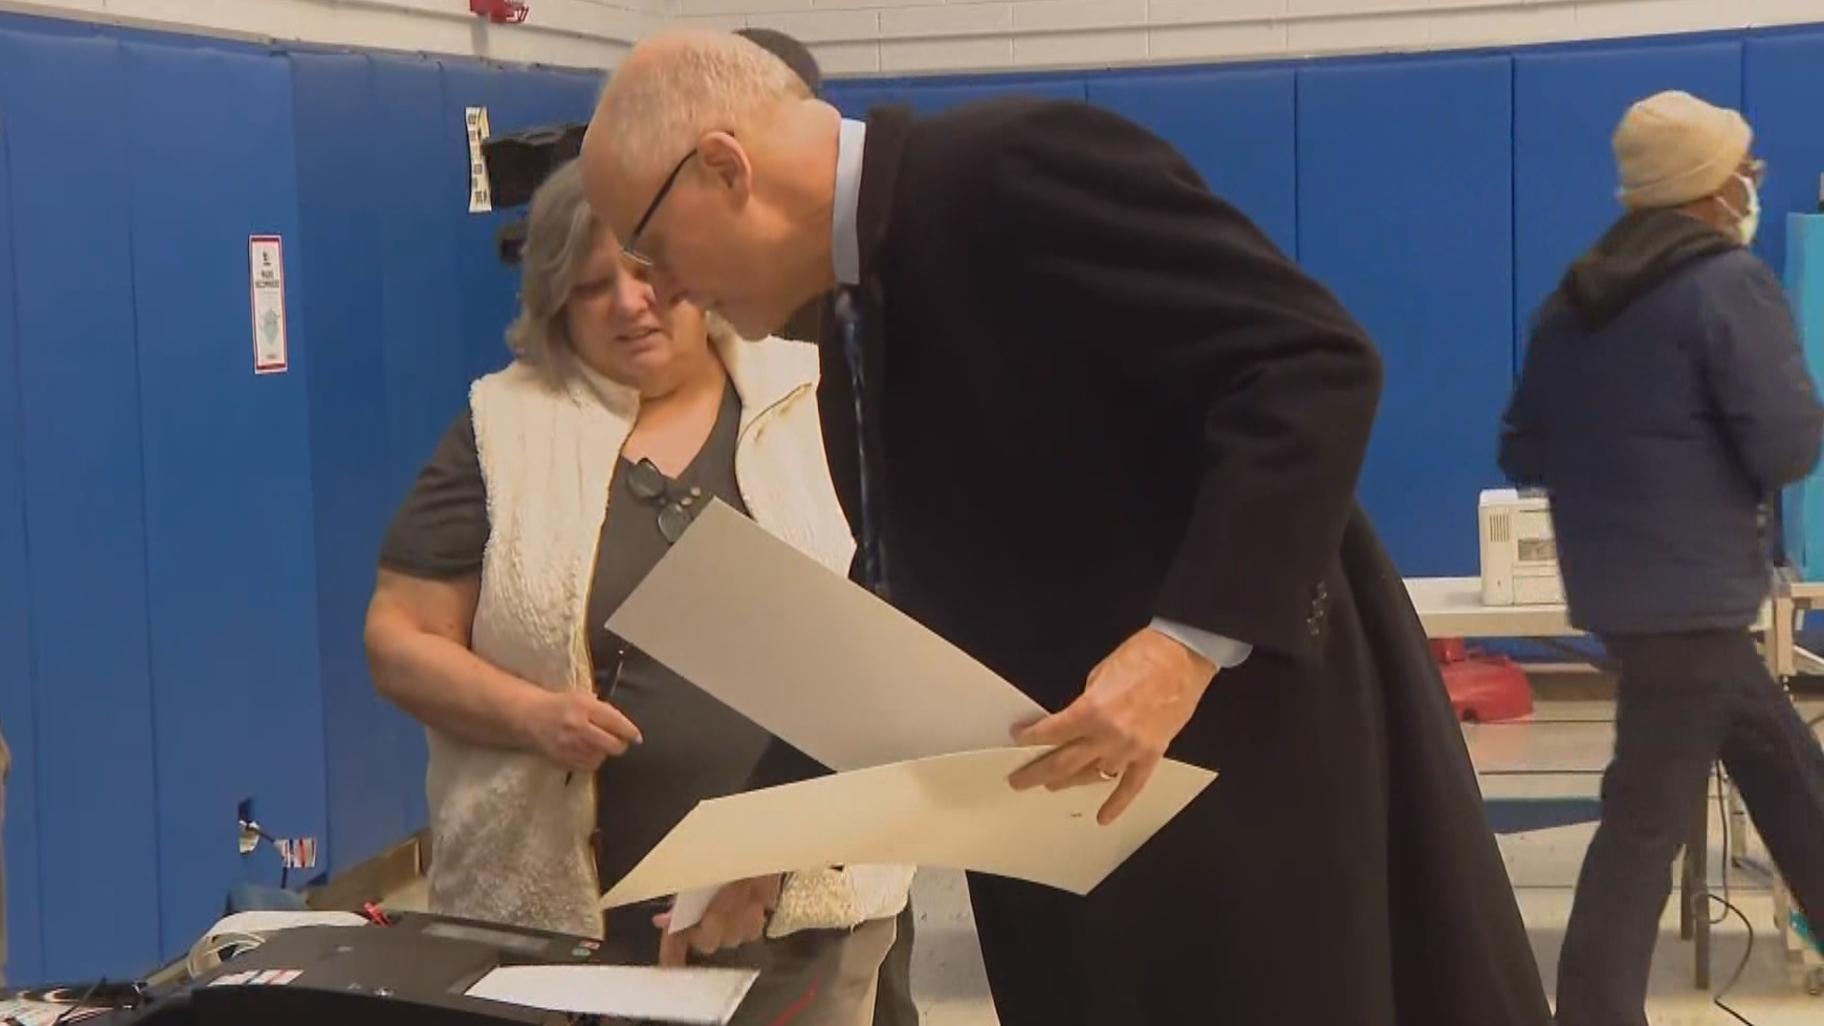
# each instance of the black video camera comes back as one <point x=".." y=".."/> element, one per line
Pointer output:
<point x="517" y="165"/>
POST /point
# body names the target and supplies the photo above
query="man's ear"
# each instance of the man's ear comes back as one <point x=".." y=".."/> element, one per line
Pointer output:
<point x="727" y="162"/>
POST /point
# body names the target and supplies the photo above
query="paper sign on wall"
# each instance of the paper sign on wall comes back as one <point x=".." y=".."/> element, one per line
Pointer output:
<point x="481" y="193"/>
<point x="266" y="262"/>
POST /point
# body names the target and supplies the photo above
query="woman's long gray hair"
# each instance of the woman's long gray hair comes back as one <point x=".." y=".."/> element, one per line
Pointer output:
<point x="560" y="238"/>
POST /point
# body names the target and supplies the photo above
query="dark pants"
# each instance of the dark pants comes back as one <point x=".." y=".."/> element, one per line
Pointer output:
<point x="1684" y="701"/>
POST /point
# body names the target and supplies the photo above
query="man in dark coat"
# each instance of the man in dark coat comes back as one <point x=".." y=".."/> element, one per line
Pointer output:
<point x="1104" y="431"/>
<point x="893" y="1004"/>
<point x="1664" y="399"/>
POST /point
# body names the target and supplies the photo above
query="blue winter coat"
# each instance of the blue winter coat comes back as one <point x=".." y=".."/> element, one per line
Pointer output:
<point x="1664" y="399"/>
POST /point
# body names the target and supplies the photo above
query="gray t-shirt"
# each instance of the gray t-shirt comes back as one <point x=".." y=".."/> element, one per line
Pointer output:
<point x="695" y="747"/>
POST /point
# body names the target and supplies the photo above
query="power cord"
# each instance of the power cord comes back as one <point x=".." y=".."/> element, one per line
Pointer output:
<point x="1741" y="968"/>
<point x="1722" y="804"/>
<point x="64" y="1016"/>
<point x="1722" y="795"/>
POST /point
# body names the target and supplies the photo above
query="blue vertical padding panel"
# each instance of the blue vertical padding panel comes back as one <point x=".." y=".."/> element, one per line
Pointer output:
<point x="423" y="187"/>
<point x="570" y="94"/>
<point x="935" y="97"/>
<point x="84" y="503"/>
<point x="338" y="309"/>
<point x="231" y="569"/>
<point x="1803" y="504"/>
<point x="1566" y="107"/>
<point x="489" y="287"/>
<point x="23" y="961"/>
<point x="533" y="96"/>
<point x="573" y="93"/>
<point x="423" y="194"/>
<point x="1784" y="79"/>
<point x="41" y="26"/>
<point x="855" y="98"/>
<point x="1403" y="210"/>
<point x="1237" y="127"/>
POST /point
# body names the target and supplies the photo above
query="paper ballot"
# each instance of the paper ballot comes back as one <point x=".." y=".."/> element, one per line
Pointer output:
<point x="917" y="730"/>
<point x="708" y="996"/>
<point x="955" y="811"/>
<point x="845" y="678"/>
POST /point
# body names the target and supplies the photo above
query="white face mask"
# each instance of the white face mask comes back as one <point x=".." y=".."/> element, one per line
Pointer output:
<point x="1747" y="224"/>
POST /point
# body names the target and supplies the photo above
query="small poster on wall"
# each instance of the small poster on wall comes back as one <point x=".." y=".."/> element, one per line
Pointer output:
<point x="481" y="199"/>
<point x="266" y="262"/>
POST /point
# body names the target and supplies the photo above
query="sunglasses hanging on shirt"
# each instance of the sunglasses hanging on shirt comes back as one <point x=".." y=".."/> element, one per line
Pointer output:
<point x="678" y="506"/>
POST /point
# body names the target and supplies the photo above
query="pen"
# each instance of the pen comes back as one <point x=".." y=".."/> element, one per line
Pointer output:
<point x="613" y="673"/>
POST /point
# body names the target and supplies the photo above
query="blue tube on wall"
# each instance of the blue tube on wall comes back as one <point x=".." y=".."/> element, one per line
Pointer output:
<point x="1804" y="502"/>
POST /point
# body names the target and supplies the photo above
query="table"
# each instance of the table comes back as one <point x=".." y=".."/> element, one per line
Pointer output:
<point x="1792" y="599"/>
<point x="1451" y="607"/>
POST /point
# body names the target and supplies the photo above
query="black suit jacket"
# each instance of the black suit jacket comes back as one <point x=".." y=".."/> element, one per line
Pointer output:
<point x="1102" y="394"/>
<point x="1097" y="394"/>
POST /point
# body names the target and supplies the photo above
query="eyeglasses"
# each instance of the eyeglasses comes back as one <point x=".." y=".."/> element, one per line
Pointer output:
<point x="677" y="508"/>
<point x="630" y="249"/>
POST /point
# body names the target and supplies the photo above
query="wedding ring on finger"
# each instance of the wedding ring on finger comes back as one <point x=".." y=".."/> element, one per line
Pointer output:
<point x="1107" y="774"/>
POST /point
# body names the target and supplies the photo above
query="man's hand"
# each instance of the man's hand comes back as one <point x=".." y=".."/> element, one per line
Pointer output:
<point x="575" y="729"/>
<point x="736" y="916"/>
<point x="1136" y="702"/>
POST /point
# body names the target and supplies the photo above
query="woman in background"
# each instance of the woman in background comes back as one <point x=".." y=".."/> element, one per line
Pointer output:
<point x="559" y="756"/>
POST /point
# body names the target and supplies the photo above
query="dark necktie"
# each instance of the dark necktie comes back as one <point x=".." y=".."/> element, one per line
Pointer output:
<point x="873" y="555"/>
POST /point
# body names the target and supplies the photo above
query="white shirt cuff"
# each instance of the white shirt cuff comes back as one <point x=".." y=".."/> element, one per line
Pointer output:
<point x="1226" y="653"/>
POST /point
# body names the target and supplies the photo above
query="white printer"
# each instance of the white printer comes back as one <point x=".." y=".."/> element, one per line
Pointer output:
<point x="1519" y="552"/>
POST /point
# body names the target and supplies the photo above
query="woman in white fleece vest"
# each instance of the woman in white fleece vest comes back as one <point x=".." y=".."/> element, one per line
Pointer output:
<point x="558" y="754"/>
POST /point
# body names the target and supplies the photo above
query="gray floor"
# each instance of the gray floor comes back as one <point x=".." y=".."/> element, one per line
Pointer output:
<point x="1559" y="753"/>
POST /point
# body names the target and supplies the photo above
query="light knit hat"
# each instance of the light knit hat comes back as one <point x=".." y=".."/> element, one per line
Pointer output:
<point x="1672" y="148"/>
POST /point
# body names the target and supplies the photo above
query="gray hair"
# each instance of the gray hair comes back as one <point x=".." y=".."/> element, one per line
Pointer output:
<point x="682" y="84"/>
<point x="560" y="237"/>
<point x="561" y="234"/>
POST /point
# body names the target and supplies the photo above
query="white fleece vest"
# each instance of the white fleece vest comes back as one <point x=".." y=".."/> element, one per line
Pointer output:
<point x="510" y="841"/>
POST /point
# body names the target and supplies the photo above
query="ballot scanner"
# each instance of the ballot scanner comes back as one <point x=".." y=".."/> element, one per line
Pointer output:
<point x="416" y="970"/>
<point x="1519" y="550"/>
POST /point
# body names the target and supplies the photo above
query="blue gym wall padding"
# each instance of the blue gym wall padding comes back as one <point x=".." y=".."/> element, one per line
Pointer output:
<point x="16" y="715"/>
<point x="1566" y="105"/>
<point x="1783" y="87"/>
<point x="422" y="180"/>
<point x="229" y="534"/>
<point x="1237" y="127"/>
<point x="1403" y="211"/>
<point x="1803" y="510"/>
<point x="354" y="487"/>
<point x="933" y="96"/>
<point x="86" y="554"/>
<point x="422" y="183"/>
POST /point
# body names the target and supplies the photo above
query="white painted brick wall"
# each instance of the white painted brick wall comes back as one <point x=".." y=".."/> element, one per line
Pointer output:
<point x="912" y="36"/>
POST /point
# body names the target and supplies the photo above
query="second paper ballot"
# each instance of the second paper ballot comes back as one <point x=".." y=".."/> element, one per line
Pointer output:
<point x="917" y="730"/>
